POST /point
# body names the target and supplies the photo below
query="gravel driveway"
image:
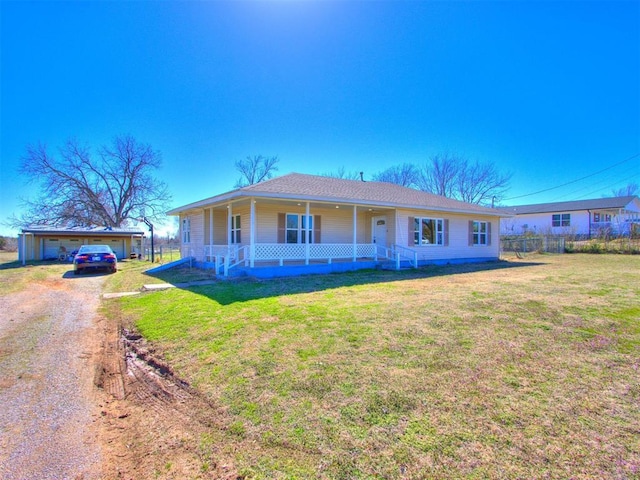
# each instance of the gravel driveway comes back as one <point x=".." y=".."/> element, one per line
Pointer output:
<point x="49" y="413"/>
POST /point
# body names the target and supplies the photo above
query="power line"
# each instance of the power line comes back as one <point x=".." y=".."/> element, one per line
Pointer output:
<point x="607" y="181"/>
<point x="600" y="189"/>
<point x="574" y="181"/>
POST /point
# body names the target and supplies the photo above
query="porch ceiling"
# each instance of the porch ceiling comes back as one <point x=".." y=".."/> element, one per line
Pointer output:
<point x="289" y="203"/>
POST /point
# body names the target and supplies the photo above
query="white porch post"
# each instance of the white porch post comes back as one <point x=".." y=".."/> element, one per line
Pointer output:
<point x="211" y="233"/>
<point x="229" y="215"/>
<point x="252" y="234"/>
<point x="355" y="232"/>
<point x="308" y="236"/>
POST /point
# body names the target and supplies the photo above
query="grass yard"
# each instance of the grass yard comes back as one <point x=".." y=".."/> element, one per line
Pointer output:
<point x="15" y="277"/>
<point x="132" y="276"/>
<point x="521" y="369"/>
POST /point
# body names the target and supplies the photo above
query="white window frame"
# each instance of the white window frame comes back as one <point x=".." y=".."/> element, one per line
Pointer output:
<point x="236" y="228"/>
<point x="186" y="230"/>
<point x="302" y="232"/>
<point x="561" y="220"/>
<point x="480" y="235"/>
<point x="438" y="231"/>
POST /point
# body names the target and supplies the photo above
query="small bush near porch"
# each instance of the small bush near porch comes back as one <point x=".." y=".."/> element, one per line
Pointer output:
<point x="509" y="370"/>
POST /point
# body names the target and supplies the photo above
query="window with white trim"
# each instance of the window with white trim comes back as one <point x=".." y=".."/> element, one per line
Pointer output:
<point x="428" y="231"/>
<point x="480" y="233"/>
<point x="236" y="229"/>
<point x="298" y="228"/>
<point x="561" y="220"/>
<point x="186" y="230"/>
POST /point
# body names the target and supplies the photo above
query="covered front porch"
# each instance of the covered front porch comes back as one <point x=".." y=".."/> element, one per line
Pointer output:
<point x="617" y="222"/>
<point x="280" y="234"/>
<point x="320" y="258"/>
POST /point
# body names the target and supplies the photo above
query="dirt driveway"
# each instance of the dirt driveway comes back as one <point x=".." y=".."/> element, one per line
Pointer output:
<point x="50" y="411"/>
<point x="81" y="401"/>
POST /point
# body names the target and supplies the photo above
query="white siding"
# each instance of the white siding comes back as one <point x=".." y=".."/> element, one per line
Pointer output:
<point x="196" y="246"/>
<point x="336" y="223"/>
<point x="458" y="247"/>
<point x="337" y="227"/>
<point x="541" y="223"/>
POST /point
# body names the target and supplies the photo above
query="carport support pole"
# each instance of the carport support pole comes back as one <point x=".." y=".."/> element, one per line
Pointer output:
<point x="24" y="248"/>
<point x="150" y="225"/>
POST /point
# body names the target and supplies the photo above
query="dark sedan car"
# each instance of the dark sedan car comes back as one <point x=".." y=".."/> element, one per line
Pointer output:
<point x="95" y="257"/>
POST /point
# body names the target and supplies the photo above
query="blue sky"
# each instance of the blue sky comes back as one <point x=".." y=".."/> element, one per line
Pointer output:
<point x="547" y="90"/>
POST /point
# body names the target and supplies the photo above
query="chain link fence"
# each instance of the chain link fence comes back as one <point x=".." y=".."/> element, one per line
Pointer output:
<point x="527" y="244"/>
<point x="163" y="253"/>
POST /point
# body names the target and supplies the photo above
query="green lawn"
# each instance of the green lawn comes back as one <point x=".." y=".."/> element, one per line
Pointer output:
<point x="523" y="369"/>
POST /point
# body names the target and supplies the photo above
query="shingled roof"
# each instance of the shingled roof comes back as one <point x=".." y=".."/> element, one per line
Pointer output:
<point x="572" y="206"/>
<point x="302" y="187"/>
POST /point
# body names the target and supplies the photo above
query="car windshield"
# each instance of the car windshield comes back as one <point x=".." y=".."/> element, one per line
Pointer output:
<point x="94" y="249"/>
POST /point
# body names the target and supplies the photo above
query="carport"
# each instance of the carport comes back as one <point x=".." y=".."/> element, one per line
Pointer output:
<point x="53" y="243"/>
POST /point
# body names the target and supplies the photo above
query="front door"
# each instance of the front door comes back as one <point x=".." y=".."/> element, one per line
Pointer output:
<point x="379" y="231"/>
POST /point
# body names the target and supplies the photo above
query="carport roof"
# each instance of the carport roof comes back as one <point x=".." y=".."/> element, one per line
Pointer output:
<point x="93" y="231"/>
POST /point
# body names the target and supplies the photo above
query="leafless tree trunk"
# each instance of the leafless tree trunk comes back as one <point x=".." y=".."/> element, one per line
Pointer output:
<point x="406" y="175"/>
<point x="440" y="175"/>
<point x="451" y="176"/>
<point x="455" y="177"/>
<point x="481" y="184"/>
<point x="631" y="189"/>
<point x="255" y="169"/>
<point x="79" y="190"/>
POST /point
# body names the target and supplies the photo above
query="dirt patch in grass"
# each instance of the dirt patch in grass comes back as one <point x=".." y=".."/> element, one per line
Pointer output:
<point x="525" y="369"/>
<point x="154" y="425"/>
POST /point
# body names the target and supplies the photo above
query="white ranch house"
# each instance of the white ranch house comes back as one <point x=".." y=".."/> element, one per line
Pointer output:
<point x="297" y="224"/>
<point x="587" y="218"/>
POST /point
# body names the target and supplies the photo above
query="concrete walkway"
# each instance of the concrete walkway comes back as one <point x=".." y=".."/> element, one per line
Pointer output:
<point x="155" y="287"/>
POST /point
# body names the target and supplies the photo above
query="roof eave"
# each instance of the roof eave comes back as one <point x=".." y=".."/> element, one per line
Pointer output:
<point x="239" y="194"/>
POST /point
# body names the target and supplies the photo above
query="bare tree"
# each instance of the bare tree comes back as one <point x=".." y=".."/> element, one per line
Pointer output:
<point x="482" y="183"/>
<point x="255" y="169"/>
<point x="406" y="175"/>
<point x="343" y="174"/>
<point x="455" y="177"/>
<point x="78" y="189"/>
<point x="629" y="190"/>
<point x="440" y="175"/>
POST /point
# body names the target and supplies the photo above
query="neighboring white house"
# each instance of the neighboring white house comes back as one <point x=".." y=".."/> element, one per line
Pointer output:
<point x="614" y="215"/>
<point x="43" y="242"/>
<point x="299" y="223"/>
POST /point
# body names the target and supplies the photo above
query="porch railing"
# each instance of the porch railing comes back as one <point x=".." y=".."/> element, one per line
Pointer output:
<point x="212" y="251"/>
<point x="228" y="257"/>
<point x="399" y="253"/>
<point x="282" y="252"/>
